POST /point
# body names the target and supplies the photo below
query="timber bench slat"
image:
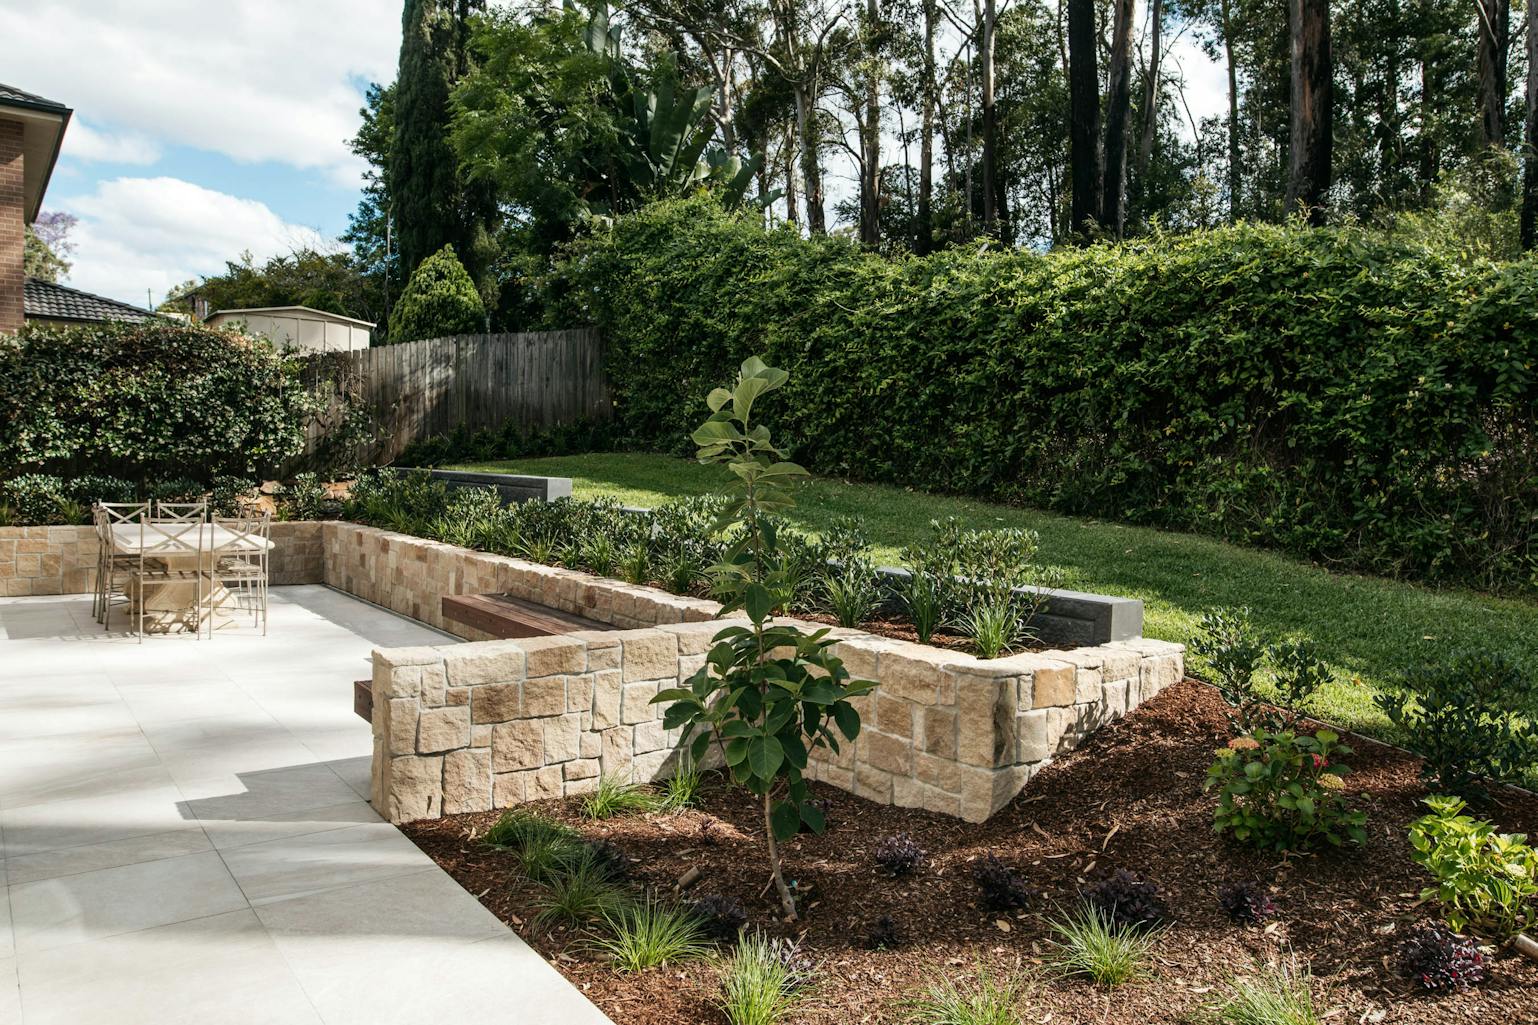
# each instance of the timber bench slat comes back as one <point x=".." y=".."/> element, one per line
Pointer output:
<point x="504" y="616"/>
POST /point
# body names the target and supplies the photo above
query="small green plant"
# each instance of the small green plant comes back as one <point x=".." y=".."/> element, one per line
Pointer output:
<point x="579" y="892"/>
<point x="439" y="300"/>
<point x="761" y="982"/>
<point x="1471" y="718"/>
<point x="1234" y="659"/>
<point x="769" y="694"/>
<point x="304" y="498"/>
<point x="989" y="999"/>
<point x="1283" y="791"/>
<point x="1089" y="943"/>
<point x="635" y="564"/>
<point x="923" y="598"/>
<point x="1277" y="995"/>
<point x="649" y="933"/>
<point x="615" y="796"/>
<point x="682" y="789"/>
<point x="851" y="592"/>
<point x="1486" y="881"/>
<point x="599" y="555"/>
<point x="994" y="622"/>
<point x="542" y="847"/>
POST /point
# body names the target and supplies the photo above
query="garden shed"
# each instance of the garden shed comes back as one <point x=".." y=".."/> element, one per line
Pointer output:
<point x="298" y="327"/>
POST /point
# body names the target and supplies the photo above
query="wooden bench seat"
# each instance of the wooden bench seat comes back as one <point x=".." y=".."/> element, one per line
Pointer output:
<point x="503" y="616"/>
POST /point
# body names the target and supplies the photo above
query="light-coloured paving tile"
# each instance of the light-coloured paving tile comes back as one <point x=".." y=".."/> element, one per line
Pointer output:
<point x="293" y="788"/>
<point x="7" y="934"/>
<point x="94" y="905"/>
<point x="158" y="701"/>
<point x="222" y="969"/>
<point x="42" y="769"/>
<point x="276" y="825"/>
<point x="156" y="807"/>
<point x="295" y="866"/>
<point x="10" y="993"/>
<point x="135" y="850"/>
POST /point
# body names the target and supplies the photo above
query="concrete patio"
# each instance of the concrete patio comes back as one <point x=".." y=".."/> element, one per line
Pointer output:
<point x="186" y="836"/>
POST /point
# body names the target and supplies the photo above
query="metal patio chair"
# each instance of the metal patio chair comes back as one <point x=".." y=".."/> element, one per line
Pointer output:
<point x="112" y="563"/>
<point x="242" y="552"/>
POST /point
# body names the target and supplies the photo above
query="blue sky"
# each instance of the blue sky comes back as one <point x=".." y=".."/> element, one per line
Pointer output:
<point x="201" y="129"/>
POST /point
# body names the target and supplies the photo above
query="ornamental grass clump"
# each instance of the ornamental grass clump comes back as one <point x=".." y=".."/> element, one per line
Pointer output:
<point x="580" y="891"/>
<point x="762" y="981"/>
<point x="1278" y="995"/>
<point x="542" y="847"/>
<point x="991" y="998"/>
<point x="769" y="693"/>
<point x="614" y="796"/>
<point x="1088" y="943"/>
<point x="648" y="933"/>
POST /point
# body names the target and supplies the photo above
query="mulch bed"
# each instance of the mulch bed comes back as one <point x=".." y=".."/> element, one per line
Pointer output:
<point x="1131" y="797"/>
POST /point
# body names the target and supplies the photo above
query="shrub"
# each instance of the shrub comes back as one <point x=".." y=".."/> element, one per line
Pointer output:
<point x="1247" y="903"/>
<point x="1088" y="943"/>
<point x="850" y="591"/>
<point x="1279" y="995"/>
<point x="1437" y="958"/>
<point x="989" y="999"/>
<point x="305" y="498"/>
<point x="1126" y="900"/>
<point x="1486" y="881"/>
<point x="1474" y="716"/>
<point x="147" y="401"/>
<point x="761" y="982"/>
<point x="1234" y="658"/>
<point x="615" y="796"/>
<point x="1326" y="391"/>
<point x="439" y="300"/>
<point x="769" y="693"/>
<point x="1000" y="888"/>
<point x="899" y="855"/>
<point x="721" y="917"/>
<point x="649" y="933"/>
<point x="1283" y="791"/>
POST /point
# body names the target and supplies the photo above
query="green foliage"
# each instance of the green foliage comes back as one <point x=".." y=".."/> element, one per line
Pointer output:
<point x="439" y="300"/>
<point x="614" y="797"/>
<point x="1277" y="995"/>
<point x="1486" y="881"/>
<point x="759" y="985"/>
<point x="328" y="281"/>
<point x="305" y="498"/>
<point x="542" y="847"/>
<point x="147" y="402"/>
<point x="1471" y="718"/>
<point x="649" y="933"/>
<point x="580" y="891"/>
<point x="682" y="789"/>
<point x="1088" y="943"/>
<point x="1283" y="791"/>
<point x="768" y="693"/>
<point x="1327" y="392"/>
<point x="40" y="499"/>
<point x="1233" y="657"/>
<point x="989" y="999"/>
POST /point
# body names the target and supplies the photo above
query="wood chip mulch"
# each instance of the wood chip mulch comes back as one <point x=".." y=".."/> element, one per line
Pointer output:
<point x="1131" y="797"/>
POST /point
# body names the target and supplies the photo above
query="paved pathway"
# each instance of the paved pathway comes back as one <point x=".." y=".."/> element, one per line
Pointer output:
<point x="187" y="838"/>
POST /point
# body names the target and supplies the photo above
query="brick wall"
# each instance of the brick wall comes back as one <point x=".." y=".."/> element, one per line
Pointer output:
<point x="12" y="226"/>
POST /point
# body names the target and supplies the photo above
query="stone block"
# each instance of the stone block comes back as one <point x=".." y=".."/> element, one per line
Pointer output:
<point x="481" y="734"/>
<point x="606" y="698"/>
<point x="872" y="783"/>
<point x="635" y="703"/>
<point x="1034" y="736"/>
<point x="508" y="789"/>
<point x="601" y="658"/>
<point x="457" y="696"/>
<point x="889" y="754"/>
<point x="498" y="702"/>
<point x="401" y="726"/>
<point x="443" y="729"/>
<point x="547" y="656"/>
<point x="544" y="696"/>
<point x="518" y="745"/>
<point x="652" y="766"/>
<point x="650" y="655"/>
<point x="435" y="686"/>
<point x="581" y="768"/>
<point x="544" y="783"/>
<point x="484" y="663"/>
<point x="618" y="751"/>
<point x="1087" y="684"/>
<point x="694" y="638"/>
<point x="940" y="732"/>
<point x="979" y="740"/>
<point x="894" y="716"/>
<point x="1055" y="684"/>
<point x="590" y="744"/>
<point x="650" y="736"/>
<point x="396" y="681"/>
<point x="562" y="738"/>
<point x="1116" y="699"/>
<point x="466" y="781"/>
<point x="579" y="692"/>
<point x="913" y="673"/>
<point x="976" y="794"/>
<point x="416" y="788"/>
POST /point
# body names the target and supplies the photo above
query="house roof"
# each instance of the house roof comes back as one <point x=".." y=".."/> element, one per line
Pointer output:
<point x="308" y="312"/>
<point x="43" y="122"/>
<point x="44" y="300"/>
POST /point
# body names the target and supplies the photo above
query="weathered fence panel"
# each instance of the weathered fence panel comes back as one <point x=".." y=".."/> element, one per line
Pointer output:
<point x="416" y="390"/>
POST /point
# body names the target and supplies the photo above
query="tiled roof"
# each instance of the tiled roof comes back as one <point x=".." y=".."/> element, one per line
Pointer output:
<point x="45" y="300"/>
<point x="9" y="94"/>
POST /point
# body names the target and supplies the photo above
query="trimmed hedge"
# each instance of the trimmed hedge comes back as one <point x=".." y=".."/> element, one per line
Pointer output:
<point x="439" y="300"/>
<point x="147" y="402"/>
<point x="1327" y="392"/>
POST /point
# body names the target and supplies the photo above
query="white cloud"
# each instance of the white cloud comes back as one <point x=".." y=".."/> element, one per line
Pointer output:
<point x="154" y="233"/>
<point x="82" y="142"/>
<point x="277" y="80"/>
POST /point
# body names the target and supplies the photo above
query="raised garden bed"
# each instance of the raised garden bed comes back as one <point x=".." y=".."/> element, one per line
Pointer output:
<point x="1130" y="797"/>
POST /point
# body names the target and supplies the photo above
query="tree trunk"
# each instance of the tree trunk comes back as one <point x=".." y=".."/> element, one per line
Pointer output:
<point x="1494" y="27"/>
<point x="811" y="169"/>
<point x="1429" y="158"/>
<point x="1530" y="138"/>
<point x="870" y="136"/>
<point x="1113" y="190"/>
<point x="1083" y="117"/>
<point x="787" y="902"/>
<point x="1235" y="204"/>
<point x="990" y="122"/>
<point x="1151" y="93"/>
<point x="925" y="240"/>
<point x="1311" y="139"/>
<point x="790" y="176"/>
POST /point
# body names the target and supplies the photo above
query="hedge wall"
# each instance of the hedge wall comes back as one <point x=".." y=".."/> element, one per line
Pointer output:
<point x="146" y="402"/>
<point x="1327" y="392"/>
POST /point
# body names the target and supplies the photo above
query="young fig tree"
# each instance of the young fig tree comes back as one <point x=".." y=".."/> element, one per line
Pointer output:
<point x="769" y="693"/>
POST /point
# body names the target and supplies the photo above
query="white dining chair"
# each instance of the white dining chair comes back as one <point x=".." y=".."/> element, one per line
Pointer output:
<point x="241" y="552"/>
<point x="170" y="552"/>
<point x="113" y="563"/>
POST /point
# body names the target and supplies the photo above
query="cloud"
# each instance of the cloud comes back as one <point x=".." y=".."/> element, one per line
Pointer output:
<point x="279" y="80"/>
<point x="154" y="233"/>
<point x="82" y="142"/>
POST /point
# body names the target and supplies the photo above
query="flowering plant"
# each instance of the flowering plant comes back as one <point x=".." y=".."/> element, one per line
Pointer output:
<point x="1285" y="791"/>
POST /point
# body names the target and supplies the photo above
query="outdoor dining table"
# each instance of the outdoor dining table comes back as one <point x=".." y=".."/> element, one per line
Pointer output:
<point x="169" y="602"/>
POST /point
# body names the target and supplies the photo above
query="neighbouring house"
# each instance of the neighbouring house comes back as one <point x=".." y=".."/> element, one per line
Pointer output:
<point x="298" y="327"/>
<point x="31" y="131"/>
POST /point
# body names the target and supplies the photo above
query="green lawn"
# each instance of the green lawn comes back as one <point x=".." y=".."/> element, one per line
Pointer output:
<point x="1366" y="627"/>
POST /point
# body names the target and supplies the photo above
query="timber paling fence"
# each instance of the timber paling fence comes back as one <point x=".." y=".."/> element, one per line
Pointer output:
<point x="417" y="390"/>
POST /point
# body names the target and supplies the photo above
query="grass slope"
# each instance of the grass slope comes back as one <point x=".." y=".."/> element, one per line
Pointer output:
<point x="1366" y="627"/>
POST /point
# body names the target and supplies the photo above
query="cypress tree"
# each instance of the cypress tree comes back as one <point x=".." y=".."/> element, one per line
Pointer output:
<point x="432" y="202"/>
